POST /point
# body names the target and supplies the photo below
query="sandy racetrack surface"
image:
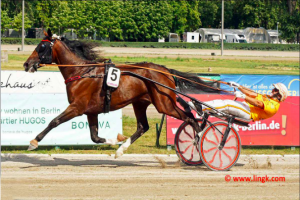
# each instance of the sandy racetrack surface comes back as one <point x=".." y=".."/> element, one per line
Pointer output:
<point x="142" y="177"/>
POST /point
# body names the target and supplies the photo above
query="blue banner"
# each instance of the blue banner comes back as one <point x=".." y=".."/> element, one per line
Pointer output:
<point x="263" y="84"/>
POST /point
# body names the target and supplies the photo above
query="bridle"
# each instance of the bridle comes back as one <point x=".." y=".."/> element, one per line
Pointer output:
<point x="44" y="51"/>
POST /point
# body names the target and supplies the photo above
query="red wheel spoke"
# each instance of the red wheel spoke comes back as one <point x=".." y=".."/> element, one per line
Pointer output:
<point x="213" y="158"/>
<point x="197" y="149"/>
<point x="232" y="136"/>
<point x="187" y="133"/>
<point x="194" y="133"/>
<point x="228" y="156"/>
<point x="192" y="155"/>
<point x="223" y="131"/>
<point x="186" y="149"/>
<point x="210" y="141"/>
<point x="208" y="150"/>
<point x="184" y="141"/>
<point x="221" y="162"/>
<point x="214" y="132"/>
<point x="232" y="147"/>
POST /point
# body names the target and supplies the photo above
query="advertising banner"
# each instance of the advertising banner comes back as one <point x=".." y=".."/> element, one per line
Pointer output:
<point x="30" y="102"/>
<point x="263" y="84"/>
<point x="280" y="130"/>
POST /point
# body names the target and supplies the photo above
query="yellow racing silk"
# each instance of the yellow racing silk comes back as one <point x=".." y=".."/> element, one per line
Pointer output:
<point x="270" y="108"/>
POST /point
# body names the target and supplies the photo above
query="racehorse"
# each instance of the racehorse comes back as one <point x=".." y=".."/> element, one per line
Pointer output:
<point x="86" y="95"/>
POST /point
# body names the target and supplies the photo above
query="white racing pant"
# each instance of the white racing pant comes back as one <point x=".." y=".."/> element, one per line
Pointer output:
<point x="235" y="108"/>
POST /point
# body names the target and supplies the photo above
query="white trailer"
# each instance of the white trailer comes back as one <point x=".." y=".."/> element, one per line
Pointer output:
<point x="173" y="37"/>
<point x="217" y="38"/>
<point x="235" y="38"/>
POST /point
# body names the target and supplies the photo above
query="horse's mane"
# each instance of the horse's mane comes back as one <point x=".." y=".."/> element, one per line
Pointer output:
<point x="84" y="49"/>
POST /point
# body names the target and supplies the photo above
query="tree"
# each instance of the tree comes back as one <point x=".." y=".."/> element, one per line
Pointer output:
<point x="45" y="9"/>
<point x="17" y="23"/>
<point x="5" y="21"/>
<point x="193" y="16"/>
<point x="289" y="22"/>
<point x="180" y="11"/>
<point x="60" y="18"/>
<point x="209" y="12"/>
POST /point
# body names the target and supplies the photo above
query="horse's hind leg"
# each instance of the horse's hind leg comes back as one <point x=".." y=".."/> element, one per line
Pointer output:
<point x="142" y="126"/>
<point x="72" y="111"/>
<point x="167" y="105"/>
<point x="93" y="124"/>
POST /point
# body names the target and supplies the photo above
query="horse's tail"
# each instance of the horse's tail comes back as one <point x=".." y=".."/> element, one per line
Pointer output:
<point x="186" y="85"/>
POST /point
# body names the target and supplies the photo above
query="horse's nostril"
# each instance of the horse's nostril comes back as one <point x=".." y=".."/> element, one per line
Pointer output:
<point x="25" y="65"/>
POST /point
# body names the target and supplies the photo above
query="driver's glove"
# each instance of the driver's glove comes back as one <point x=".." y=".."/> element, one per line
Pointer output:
<point x="239" y="94"/>
<point x="234" y="84"/>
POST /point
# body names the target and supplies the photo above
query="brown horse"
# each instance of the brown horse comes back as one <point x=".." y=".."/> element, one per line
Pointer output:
<point x="86" y="96"/>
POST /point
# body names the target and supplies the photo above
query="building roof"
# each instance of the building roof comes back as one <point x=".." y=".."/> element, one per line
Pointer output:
<point x="218" y="31"/>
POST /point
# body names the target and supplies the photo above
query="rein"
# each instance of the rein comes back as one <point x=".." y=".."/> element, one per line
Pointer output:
<point x="139" y="67"/>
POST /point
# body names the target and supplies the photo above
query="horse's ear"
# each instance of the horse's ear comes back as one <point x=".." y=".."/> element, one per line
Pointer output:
<point x="45" y="33"/>
<point x="49" y="33"/>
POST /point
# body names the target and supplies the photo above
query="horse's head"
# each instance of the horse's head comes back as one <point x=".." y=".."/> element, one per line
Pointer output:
<point x="42" y="53"/>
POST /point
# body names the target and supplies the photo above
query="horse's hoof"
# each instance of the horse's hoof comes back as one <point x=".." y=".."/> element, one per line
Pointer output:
<point x="118" y="154"/>
<point x="33" y="145"/>
<point x="121" y="138"/>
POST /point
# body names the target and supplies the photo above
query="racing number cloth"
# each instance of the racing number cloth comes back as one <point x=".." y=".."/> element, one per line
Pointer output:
<point x="270" y="108"/>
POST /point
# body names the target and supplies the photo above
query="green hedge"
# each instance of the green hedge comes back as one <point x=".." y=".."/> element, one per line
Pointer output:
<point x="181" y="45"/>
<point x="27" y="41"/>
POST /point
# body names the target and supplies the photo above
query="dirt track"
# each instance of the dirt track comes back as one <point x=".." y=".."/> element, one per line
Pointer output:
<point x="142" y="177"/>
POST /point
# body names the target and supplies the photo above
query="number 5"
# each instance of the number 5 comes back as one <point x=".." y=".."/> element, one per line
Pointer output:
<point x="113" y="73"/>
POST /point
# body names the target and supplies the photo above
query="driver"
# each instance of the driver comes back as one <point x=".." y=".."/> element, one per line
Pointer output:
<point x="255" y="107"/>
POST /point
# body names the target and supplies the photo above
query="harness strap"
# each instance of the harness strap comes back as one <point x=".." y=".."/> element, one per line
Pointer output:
<point x="74" y="78"/>
<point x="46" y="41"/>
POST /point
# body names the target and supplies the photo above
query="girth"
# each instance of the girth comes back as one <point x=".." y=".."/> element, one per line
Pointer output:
<point x="107" y="89"/>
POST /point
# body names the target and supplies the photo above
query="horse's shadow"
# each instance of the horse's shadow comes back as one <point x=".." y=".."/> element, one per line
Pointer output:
<point x="51" y="161"/>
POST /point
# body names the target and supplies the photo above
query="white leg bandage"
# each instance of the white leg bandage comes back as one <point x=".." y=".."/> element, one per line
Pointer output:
<point x="111" y="141"/>
<point x="123" y="148"/>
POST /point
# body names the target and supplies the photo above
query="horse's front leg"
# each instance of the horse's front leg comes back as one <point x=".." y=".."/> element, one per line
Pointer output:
<point x="72" y="111"/>
<point x="93" y="124"/>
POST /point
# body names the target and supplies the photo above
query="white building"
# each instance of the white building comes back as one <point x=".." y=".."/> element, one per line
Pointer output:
<point x="191" y="37"/>
<point x="161" y="39"/>
<point x="70" y="34"/>
<point x="274" y="36"/>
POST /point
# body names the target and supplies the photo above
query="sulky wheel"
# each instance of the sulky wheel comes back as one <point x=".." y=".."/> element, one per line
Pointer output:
<point x="186" y="145"/>
<point x="212" y="157"/>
